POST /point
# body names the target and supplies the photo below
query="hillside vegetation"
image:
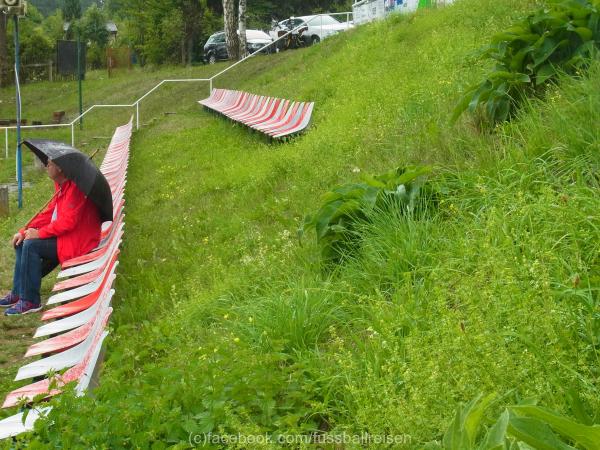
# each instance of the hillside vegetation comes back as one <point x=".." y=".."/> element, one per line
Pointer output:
<point x="225" y="324"/>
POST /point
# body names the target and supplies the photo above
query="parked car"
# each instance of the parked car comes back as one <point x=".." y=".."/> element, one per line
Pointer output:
<point x="215" y="48"/>
<point x="313" y="28"/>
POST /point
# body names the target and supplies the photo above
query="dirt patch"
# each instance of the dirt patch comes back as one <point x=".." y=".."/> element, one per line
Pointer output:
<point x="15" y="337"/>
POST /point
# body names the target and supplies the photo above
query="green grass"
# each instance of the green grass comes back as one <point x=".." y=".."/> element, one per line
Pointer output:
<point x="224" y="323"/>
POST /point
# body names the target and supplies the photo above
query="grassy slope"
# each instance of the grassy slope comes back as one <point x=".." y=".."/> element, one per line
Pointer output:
<point x="39" y="100"/>
<point x="223" y="323"/>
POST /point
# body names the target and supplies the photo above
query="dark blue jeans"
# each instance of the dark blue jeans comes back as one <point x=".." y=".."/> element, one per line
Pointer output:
<point x="36" y="258"/>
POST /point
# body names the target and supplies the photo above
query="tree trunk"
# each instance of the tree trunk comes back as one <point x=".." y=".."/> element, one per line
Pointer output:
<point x="3" y="52"/>
<point x="242" y="23"/>
<point x="190" y="49"/>
<point x="231" y="37"/>
<point x="192" y="16"/>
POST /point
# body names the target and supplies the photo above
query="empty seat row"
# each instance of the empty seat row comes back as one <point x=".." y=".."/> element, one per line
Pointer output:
<point x="275" y="117"/>
<point x="77" y="326"/>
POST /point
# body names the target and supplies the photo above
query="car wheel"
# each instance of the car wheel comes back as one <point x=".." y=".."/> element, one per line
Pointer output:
<point x="315" y="40"/>
<point x="212" y="59"/>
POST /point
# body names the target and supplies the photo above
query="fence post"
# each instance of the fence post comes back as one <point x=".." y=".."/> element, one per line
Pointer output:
<point x="6" y="142"/>
<point x="3" y="201"/>
<point x="50" y="69"/>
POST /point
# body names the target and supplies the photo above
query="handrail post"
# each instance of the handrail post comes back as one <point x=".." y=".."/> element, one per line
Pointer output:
<point x="321" y="17"/>
<point x="18" y="100"/>
<point x="6" y="142"/>
<point x="73" y="134"/>
<point x="137" y="115"/>
<point x="210" y="87"/>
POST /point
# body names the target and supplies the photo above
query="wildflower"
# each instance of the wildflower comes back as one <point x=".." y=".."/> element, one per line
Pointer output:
<point x="226" y="316"/>
<point x="236" y="339"/>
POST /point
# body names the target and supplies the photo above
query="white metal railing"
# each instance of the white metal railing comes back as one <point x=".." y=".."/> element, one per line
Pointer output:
<point x="136" y="104"/>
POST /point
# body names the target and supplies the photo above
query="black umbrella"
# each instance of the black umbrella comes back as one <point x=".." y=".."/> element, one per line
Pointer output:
<point x="79" y="168"/>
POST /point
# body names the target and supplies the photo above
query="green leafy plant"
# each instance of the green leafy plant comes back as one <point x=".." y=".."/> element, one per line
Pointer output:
<point x="519" y="425"/>
<point x="464" y="428"/>
<point x="345" y="207"/>
<point x="561" y="37"/>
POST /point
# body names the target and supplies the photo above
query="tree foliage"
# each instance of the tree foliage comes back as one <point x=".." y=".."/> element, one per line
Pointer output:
<point x="50" y="7"/>
<point x="158" y="31"/>
<point x="3" y="52"/>
<point x="93" y="26"/>
<point x="71" y="10"/>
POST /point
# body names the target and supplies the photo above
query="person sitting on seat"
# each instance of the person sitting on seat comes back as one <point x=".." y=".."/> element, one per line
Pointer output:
<point x="68" y="227"/>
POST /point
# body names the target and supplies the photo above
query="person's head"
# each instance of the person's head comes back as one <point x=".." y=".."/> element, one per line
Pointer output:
<point x="55" y="173"/>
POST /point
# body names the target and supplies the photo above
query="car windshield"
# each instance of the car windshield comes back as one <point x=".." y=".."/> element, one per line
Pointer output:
<point x="322" y="20"/>
<point x="216" y="38"/>
<point x="257" y="34"/>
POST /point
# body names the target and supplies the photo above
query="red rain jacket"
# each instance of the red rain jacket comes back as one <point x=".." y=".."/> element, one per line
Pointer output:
<point x="77" y="227"/>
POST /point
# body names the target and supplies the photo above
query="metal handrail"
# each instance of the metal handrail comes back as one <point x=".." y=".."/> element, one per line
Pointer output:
<point x="136" y="104"/>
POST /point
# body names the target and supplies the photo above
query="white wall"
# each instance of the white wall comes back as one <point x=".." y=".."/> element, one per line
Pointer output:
<point x="368" y="10"/>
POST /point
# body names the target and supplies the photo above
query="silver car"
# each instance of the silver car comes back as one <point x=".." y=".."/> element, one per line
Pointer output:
<point x="314" y="28"/>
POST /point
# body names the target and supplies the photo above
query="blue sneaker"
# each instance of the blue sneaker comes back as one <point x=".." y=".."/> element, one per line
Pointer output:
<point x="8" y="300"/>
<point x="22" y="307"/>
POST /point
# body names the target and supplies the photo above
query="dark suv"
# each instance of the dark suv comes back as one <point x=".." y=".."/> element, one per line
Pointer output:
<point x="215" y="48"/>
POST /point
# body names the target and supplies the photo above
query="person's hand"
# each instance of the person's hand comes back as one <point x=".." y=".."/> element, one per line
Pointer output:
<point x="31" y="233"/>
<point x="17" y="239"/>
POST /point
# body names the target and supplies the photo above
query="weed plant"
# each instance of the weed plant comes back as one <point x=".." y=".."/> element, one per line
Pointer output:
<point x="560" y="37"/>
<point x="345" y="208"/>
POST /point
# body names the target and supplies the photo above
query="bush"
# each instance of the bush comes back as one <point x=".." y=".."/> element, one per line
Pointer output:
<point x="347" y="206"/>
<point x="559" y="38"/>
<point x="96" y="56"/>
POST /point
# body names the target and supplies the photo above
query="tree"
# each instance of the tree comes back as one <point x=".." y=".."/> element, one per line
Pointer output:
<point x="35" y="47"/>
<point x="192" y="16"/>
<point x="95" y="35"/>
<point x="164" y="41"/>
<point x="3" y="52"/>
<point x="49" y="7"/>
<point x="72" y="13"/>
<point x="231" y="36"/>
<point x="165" y="31"/>
<point x="53" y="26"/>
<point x="242" y="27"/>
<point x="93" y="27"/>
<point x="71" y="10"/>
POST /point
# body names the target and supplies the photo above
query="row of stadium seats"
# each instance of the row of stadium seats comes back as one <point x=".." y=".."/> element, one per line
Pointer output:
<point x="272" y="116"/>
<point x="77" y="326"/>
